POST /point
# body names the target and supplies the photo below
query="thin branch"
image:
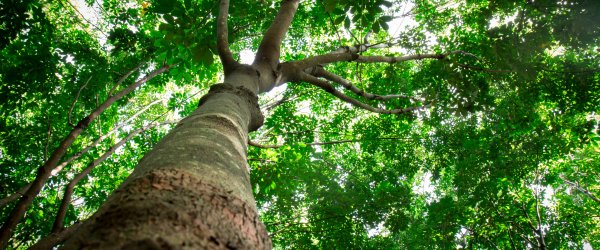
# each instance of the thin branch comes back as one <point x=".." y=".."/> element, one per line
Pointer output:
<point x="94" y="26"/>
<point x="75" y="101"/>
<point x="99" y="118"/>
<point x="512" y="241"/>
<point x="258" y="145"/>
<point x="64" y="205"/>
<point x="582" y="189"/>
<point x="261" y="160"/>
<point x="331" y="89"/>
<point x="537" y="212"/>
<point x="499" y="71"/>
<point x="529" y="223"/>
<point x="320" y="72"/>
<point x="223" y="37"/>
<point x="48" y="138"/>
<point x="45" y="171"/>
<point x="270" y="47"/>
<point x="120" y="81"/>
<point x="523" y="236"/>
<point x="367" y="36"/>
<point x="270" y="106"/>
<point x="332" y="23"/>
<point x="76" y="156"/>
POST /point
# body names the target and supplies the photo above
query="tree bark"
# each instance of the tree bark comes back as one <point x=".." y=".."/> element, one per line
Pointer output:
<point x="193" y="189"/>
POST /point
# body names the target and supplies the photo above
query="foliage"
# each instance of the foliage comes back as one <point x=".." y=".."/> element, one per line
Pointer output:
<point x="509" y="145"/>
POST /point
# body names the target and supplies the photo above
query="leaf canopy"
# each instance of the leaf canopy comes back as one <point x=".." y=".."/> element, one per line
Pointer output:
<point x="507" y="154"/>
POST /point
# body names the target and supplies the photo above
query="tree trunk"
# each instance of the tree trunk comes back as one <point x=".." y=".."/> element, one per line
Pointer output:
<point x="192" y="191"/>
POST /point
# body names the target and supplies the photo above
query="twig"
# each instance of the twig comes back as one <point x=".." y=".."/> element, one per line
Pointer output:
<point x="75" y="101"/>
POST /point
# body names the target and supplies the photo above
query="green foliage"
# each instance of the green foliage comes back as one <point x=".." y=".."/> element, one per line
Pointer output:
<point x="512" y="132"/>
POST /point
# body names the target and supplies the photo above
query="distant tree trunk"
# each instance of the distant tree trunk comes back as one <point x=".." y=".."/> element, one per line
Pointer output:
<point x="193" y="189"/>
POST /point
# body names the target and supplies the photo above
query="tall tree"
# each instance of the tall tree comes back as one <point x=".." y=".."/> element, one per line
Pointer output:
<point x="474" y="123"/>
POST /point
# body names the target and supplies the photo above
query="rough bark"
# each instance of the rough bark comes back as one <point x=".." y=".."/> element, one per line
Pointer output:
<point x="192" y="191"/>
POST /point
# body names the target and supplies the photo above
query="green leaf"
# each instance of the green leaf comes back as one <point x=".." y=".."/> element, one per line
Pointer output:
<point x="386" y="3"/>
<point x="347" y="23"/>
<point x="164" y="6"/>
<point x="384" y="25"/>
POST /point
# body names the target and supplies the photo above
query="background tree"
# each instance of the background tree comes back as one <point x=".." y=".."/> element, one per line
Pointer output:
<point x="501" y="150"/>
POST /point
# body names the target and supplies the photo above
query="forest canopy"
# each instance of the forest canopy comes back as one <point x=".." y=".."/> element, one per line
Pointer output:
<point x="443" y="124"/>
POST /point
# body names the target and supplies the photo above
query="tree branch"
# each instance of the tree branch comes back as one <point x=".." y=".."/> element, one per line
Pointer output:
<point x="329" y="88"/>
<point x="270" y="47"/>
<point x="537" y="231"/>
<point x="258" y="145"/>
<point x="44" y="171"/>
<point x="14" y="196"/>
<point x="538" y="214"/>
<point x="54" y="239"/>
<point x="396" y="59"/>
<point x="350" y="54"/>
<point x="75" y="101"/>
<point x="320" y="72"/>
<point x="48" y="138"/>
<point x="76" y="156"/>
<point x="64" y="205"/>
<point x="123" y="78"/>
<point x="223" y="38"/>
<point x="582" y="189"/>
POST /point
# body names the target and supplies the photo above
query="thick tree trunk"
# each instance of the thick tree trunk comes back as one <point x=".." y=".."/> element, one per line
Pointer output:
<point x="192" y="191"/>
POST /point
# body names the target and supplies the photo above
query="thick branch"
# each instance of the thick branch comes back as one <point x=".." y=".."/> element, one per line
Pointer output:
<point x="329" y="88"/>
<point x="223" y="38"/>
<point x="320" y="72"/>
<point x="54" y="239"/>
<point x="14" y="196"/>
<point x="396" y="59"/>
<point x="44" y="171"/>
<point x="64" y="205"/>
<point x="270" y="46"/>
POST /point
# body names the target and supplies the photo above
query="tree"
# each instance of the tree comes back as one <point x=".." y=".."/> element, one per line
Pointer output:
<point x="489" y="137"/>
